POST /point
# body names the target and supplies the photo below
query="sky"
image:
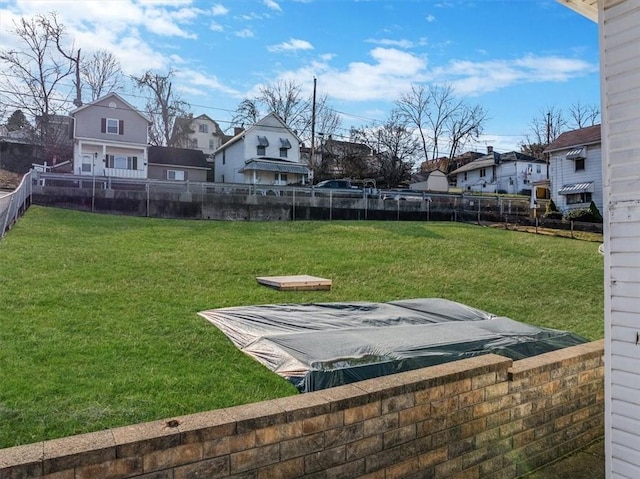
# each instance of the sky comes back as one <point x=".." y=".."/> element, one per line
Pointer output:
<point x="515" y="58"/>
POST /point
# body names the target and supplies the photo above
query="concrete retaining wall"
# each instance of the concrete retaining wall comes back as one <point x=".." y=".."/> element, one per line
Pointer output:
<point x="481" y="417"/>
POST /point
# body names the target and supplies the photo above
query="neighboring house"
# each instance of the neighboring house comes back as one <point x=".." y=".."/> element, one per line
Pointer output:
<point x="435" y="181"/>
<point x="179" y="164"/>
<point x="575" y="169"/>
<point x="199" y="133"/>
<point x="619" y="60"/>
<point x="110" y="139"/>
<point x="267" y="153"/>
<point x="511" y="172"/>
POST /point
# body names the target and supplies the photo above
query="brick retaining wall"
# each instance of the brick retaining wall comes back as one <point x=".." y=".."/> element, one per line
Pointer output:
<point x="486" y="416"/>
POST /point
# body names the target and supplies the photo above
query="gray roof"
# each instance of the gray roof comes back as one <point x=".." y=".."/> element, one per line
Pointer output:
<point x="276" y="166"/>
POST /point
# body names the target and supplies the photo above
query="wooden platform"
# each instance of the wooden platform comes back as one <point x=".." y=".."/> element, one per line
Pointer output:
<point x="295" y="283"/>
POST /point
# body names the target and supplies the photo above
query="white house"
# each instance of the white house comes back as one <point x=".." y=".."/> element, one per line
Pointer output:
<point x="110" y="139"/>
<point x="435" y="181"/>
<point x="511" y="172"/>
<point x="266" y="153"/>
<point x="618" y="22"/>
<point x="202" y="133"/>
<point x="575" y="169"/>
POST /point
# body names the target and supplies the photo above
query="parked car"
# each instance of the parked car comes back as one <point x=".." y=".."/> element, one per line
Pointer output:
<point x="344" y="184"/>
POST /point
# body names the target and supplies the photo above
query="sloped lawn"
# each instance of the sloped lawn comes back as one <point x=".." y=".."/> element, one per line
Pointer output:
<point x="98" y="314"/>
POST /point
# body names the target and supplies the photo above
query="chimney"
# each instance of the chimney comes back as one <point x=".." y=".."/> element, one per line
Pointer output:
<point x="237" y="130"/>
<point x="489" y="150"/>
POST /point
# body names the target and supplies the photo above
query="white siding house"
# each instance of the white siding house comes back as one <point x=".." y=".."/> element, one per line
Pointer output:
<point x="267" y="153"/>
<point x="620" y="76"/>
<point x="203" y="134"/>
<point x="511" y="172"/>
<point x="575" y="169"/>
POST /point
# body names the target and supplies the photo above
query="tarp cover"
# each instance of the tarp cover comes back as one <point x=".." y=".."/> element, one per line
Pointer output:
<point x="321" y="345"/>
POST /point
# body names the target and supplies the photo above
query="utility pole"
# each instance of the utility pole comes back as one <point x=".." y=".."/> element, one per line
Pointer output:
<point x="546" y="155"/>
<point x="313" y="132"/>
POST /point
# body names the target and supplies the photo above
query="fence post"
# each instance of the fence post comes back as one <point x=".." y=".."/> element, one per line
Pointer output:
<point x="293" y="210"/>
<point x="478" y="210"/>
<point x="147" y="188"/>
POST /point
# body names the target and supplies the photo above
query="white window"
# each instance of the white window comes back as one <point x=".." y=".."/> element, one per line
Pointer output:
<point x="177" y="175"/>
<point x="122" y="162"/>
<point x="283" y="152"/>
<point x="112" y="126"/>
<point x="483" y="172"/>
<point x="86" y="167"/>
<point x="212" y="144"/>
<point x="203" y="128"/>
<point x="193" y="143"/>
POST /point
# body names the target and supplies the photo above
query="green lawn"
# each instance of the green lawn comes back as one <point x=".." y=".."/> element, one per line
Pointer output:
<point x="98" y="314"/>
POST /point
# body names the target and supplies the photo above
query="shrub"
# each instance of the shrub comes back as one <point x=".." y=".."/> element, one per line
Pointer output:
<point x="551" y="211"/>
<point x="587" y="215"/>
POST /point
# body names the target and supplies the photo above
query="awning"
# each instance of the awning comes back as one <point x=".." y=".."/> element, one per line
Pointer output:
<point x="277" y="166"/>
<point x="262" y="141"/>
<point x="575" y="188"/>
<point x="576" y="153"/>
<point x="285" y="143"/>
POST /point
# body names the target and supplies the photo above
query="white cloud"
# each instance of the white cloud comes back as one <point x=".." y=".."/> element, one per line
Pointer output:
<point x="202" y="84"/>
<point x="219" y="10"/>
<point x="272" y="5"/>
<point x="216" y="27"/>
<point x="293" y="45"/>
<point x="474" y="78"/>
<point x="391" y="43"/>
<point x="430" y="18"/>
<point x="244" y="33"/>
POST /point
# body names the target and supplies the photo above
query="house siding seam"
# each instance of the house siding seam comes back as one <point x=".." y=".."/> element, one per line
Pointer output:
<point x="620" y="75"/>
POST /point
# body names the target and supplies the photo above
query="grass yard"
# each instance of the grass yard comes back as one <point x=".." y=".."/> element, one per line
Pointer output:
<point x="98" y="314"/>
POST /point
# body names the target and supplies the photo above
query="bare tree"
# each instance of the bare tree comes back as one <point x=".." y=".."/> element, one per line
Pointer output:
<point x="35" y="81"/>
<point x="444" y="106"/>
<point x="102" y="74"/>
<point x="465" y="124"/>
<point x="163" y="106"/>
<point x="37" y="69"/>
<point x="544" y="129"/>
<point x="582" y="116"/>
<point x="395" y="145"/>
<point x="414" y="107"/>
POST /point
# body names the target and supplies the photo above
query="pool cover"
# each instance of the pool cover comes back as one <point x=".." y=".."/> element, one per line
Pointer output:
<point x="322" y="345"/>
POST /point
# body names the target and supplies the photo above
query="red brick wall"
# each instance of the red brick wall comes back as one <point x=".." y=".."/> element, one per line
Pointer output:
<point x="479" y="417"/>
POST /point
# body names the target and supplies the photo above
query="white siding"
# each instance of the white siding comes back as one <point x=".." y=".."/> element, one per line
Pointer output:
<point x="563" y="171"/>
<point x="620" y="59"/>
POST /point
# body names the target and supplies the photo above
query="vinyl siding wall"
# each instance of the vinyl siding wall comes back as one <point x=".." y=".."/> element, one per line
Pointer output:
<point x="562" y="171"/>
<point x="620" y="57"/>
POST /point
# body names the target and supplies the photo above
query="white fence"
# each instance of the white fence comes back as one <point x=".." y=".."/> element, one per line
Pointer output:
<point x="14" y="204"/>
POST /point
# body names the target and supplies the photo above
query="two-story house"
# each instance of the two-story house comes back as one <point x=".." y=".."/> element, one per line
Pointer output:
<point x="110" y="139"/>
<point x="199" y="133"/>
<point x="511" y="173"/>
<point x="266" y="153"/>
<point x="575" y="169"/>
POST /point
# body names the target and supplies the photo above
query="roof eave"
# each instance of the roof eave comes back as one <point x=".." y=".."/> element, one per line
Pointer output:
<point x="586" y="8"/>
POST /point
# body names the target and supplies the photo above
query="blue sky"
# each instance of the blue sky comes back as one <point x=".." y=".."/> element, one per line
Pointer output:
<point x="513" y="57"/>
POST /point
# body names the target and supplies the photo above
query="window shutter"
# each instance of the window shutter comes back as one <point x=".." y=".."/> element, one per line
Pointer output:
<point x="121" y="127"/>
<point x="103" y="127"/>
<point x="134" y="163"/>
